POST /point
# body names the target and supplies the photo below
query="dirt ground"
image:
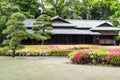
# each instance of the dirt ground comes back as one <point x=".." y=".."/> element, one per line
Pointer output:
<point x="54" y="68"/>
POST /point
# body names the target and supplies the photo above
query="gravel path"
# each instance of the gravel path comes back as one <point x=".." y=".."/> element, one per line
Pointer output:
<point x="59" y="68"/>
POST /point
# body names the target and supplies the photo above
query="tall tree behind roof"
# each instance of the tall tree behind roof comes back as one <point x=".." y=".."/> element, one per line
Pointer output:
<point x="28" y="7"/>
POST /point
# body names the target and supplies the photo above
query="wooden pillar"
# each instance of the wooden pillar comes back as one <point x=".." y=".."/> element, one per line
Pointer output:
<point x="97" y="39"/>
<point x="70" y="38"/>
<point x="94" y="40"/>
<point x="32" y="41"/>
<point x="83" y="39"/>
<point x="52" y="39"/>
<point x="114" y="42"/>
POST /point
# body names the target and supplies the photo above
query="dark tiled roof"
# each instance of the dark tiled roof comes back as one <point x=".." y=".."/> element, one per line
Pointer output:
<point x="105" y="28"/>
<point x="74" y="23"/>
<point x="79" y="26"/>
<point x="74" y="31"/>
<point x="63" y="25"/>
<point x="71" y="31"/>
<point x="88" y="23"/>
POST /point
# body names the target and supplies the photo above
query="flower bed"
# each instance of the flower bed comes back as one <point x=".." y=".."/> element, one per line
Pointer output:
<point x="47" y="50"/>
<point x="107" y="56"/>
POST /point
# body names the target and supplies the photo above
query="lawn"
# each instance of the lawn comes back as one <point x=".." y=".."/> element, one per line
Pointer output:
<point x="53" y="68"/>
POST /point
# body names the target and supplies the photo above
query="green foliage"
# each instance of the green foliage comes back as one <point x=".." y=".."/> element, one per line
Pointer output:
<point x="29" y="8"/>
<point x="43" y="25"/>
<point x="57" y="53"/>
<point x="95" y="57"/>
<point x="36" y="53"/>
<point x="115" y="18"/>
<point x="15" y="32"/>
<point x="58" y="7"/>
<point x="6" y="9"/>
<point x="99" y="53"/>
<point x="82" y="9"/>
<point x="72" y="54"/>
<point x="115" y="60"/>
<point x="19" y="53"/>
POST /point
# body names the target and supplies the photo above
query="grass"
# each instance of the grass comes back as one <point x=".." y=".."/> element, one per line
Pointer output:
<point x="53" y="69"/>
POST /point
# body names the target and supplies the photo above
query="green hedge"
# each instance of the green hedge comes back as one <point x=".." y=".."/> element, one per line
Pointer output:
<point x="58" y="53"/>
<point x="31" y="53"/>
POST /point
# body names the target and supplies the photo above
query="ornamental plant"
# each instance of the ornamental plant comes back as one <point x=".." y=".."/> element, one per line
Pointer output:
<point x="78" y="56"/>
<point x="98" y="56"/>
<point x="15" y="33"/>
<point x="42" y="28"/>
<point x="54" y="47"/>
<point x="115" y="60"/>
<point x="71" y="55"/>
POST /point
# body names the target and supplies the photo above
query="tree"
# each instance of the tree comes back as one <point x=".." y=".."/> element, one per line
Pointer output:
<point x="28" y="7"/>
<point x="57" y="7"/>
<point x="6" y="9"/>
<point x="72" y="10"/>
<point x="115" y="17"/>
<point x="42" y="27"/>
<point x="15" y="32"/>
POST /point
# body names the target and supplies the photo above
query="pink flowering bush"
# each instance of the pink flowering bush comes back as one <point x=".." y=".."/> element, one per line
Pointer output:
<point x="113" y="52"/>
<point x="115" y="60"/>
<point x="78" y="56"/>
<point x="97" y="56"/>
<point x="87" y="50"/>
<point x="54" y="47"/>
<point x="114" y="56"/>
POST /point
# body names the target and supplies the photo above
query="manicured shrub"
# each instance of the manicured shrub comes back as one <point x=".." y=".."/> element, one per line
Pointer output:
<point x="22" y="53"/>
<point x="72" y="53"/>
<point x="88" y="50"/>
<point x="115" y="60"/>
<point x="58" y="53"/>
<point x="100" y="56"/>
<point x="78" y="57"/>
<point x="1" y="53"/>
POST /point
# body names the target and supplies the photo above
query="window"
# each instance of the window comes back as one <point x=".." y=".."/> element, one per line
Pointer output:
<point x="106" y="41"/>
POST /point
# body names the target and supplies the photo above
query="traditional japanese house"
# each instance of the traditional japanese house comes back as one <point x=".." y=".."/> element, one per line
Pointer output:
<point x="78" y="31"/>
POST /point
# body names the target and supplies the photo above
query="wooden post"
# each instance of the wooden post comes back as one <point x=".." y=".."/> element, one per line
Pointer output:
<point x="32" y="41"/>
<point x="83" y="39"/>
<point x="114" y="42"/>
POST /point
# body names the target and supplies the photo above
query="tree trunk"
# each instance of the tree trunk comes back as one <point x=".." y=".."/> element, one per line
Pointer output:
<point x="43" y="30"/>
<point x="14" y="50"/>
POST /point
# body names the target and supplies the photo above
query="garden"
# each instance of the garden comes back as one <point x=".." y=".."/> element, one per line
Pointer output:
<point x="61" y="62"/>
<point x="77" y="54"/>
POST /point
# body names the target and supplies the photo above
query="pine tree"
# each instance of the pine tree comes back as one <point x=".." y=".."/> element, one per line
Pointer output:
<point x="42" y="27"/>
<point x="15" y="32"/>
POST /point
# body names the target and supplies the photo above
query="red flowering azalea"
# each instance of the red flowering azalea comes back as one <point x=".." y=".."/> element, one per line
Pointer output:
<point x="78" y="56"/>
